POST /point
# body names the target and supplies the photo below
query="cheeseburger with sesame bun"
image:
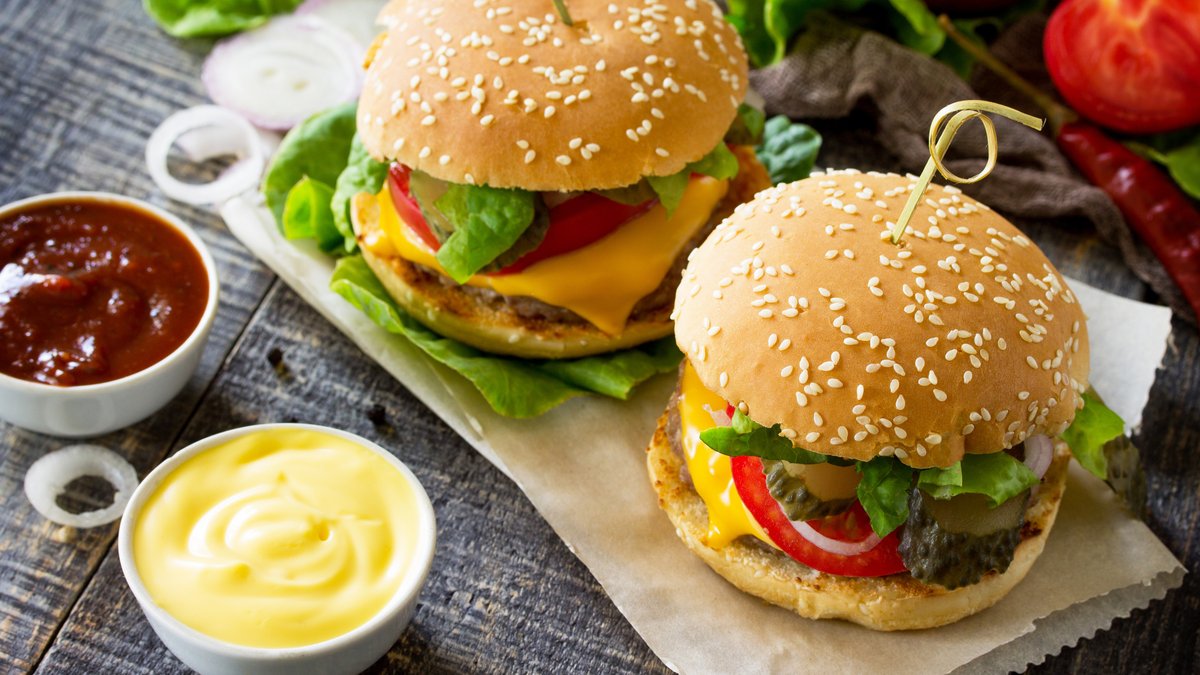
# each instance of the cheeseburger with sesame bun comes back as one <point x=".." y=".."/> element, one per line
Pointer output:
<point x="551" y="165"/>
<point x="866" y="430"/>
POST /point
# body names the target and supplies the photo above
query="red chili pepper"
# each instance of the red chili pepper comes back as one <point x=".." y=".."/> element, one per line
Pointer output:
<point x="1152" y="205"/>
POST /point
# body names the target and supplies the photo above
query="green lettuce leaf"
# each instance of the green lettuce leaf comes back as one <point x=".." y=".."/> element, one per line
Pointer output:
<point x="748" y="17"/>
<point x="1094" y="425"/>
<point x="719" y="163"/>
<point x="747" y="437"/>
<point x="306" y="214"/>
<point x="998" y="476"/>
<point x="362" y="174"/>
<point x="213" y="18"/>
<point x="487" y="222"/>
<point x="883" y="493"/>
<point x="318" y="148"/>
<point x="512" y="387"/>
<point x="788" y="149"/>
<point x="747" y="127"/>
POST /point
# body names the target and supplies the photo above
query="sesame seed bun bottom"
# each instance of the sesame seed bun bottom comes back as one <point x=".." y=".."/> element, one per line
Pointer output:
<point x="896" y="602"/>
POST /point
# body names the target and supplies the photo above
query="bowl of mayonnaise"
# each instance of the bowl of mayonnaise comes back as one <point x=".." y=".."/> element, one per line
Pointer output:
<point x="278" y="548"/>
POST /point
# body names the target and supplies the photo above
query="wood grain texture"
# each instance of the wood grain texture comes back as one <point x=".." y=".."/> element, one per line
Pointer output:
<point x="85" y="83"/>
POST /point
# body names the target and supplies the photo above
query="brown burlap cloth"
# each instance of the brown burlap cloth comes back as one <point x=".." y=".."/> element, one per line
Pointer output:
<point x="834" y="70"/>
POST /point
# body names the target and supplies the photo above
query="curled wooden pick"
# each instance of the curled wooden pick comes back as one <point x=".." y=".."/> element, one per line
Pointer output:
<point x="959" y="113"/>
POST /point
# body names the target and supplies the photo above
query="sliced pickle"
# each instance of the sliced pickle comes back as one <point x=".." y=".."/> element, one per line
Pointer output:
<point x="807" y="491"/>
<point x="529" y="240"/>
<point x="426" y="190"/>
<point x="954" y="542"/>
<point x="1125" y="474"/>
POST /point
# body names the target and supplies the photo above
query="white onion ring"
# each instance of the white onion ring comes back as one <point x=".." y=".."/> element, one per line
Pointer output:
<point x="356" y="17"/>
<point x="845" y="548"/>
<point x="224" y="126"/>
<point x="1039" y="451"/>
<point x="286" y="70"/>
<point x="719" y="417"/>
<point x="50" y="475"/>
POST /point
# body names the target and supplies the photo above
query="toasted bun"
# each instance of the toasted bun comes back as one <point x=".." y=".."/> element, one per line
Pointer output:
<point x="964" y="338"/>
<point x="509" y="96"/>
<point x="897" y="602"/>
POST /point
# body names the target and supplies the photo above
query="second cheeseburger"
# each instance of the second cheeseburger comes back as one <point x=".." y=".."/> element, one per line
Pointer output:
<point x="867" y="430"/>
<point x="550" y="168"/>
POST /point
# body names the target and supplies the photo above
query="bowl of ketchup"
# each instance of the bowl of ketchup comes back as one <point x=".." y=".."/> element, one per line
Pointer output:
<point x="105" y="305"/>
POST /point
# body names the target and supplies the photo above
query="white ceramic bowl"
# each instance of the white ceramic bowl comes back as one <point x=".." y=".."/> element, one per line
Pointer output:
<point x="349" y="653"/>
<point x="94" y="409"/>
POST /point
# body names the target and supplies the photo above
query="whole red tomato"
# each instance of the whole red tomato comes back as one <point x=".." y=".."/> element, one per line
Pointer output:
<point x="1130" y="65"/>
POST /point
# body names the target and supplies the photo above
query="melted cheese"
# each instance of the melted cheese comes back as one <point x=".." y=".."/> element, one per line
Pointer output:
<point x="600" y="282"/>
<point x="711" y="472"/>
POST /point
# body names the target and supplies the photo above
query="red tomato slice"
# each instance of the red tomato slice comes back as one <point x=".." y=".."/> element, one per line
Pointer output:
<point x="575" y="223"/>
<point x="1130" y="65"/>
<point x="407" y="207"/>
<point x="851" y="526"/>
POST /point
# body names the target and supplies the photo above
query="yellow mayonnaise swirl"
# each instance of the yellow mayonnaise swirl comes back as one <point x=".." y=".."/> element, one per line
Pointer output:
<point x="278" y="538"/>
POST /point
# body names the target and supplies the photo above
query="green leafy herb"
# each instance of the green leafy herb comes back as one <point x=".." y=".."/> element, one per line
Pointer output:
<point x="720" y="163"/>
<point x="883" y="493"/>
<point x="747" y="127"/>
<point x="512" y="387"/>
<point x="213" y="18"/>
<point x="998" y="476"/>
<point x="362" y="174"/>
<point x="788" y="150"/>
<point x="916" y="26"/>
<point x="1094" y="425"/>
<point x="317" y="148"/>
<point x="747" y="437"/>
<point x="487" y="222"/>
<point x="306" y="214"/>
<point x="1180" y="153"/>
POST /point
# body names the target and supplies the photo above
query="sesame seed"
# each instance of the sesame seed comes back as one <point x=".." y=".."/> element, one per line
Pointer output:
<point x="563" y="160"/>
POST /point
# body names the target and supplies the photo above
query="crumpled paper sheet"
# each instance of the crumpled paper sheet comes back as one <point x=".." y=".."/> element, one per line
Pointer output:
<point x="1099" y="563"/>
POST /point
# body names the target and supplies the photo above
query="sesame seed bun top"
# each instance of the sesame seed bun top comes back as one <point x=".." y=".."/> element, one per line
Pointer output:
<point x="964" y="338"/>
<point x="503" y="93"/>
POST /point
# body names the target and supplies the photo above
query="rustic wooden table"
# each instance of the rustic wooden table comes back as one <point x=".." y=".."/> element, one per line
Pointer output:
<point x="82" y="84"/>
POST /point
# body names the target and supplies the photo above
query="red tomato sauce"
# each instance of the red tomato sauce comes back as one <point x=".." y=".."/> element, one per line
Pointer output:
<point x="94" y="292"/>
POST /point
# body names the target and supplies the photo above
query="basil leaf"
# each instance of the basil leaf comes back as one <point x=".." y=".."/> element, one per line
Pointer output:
<point x="512" y="387"/>
<point x="719" y="163"/>
<point x="318" y="148"/>
<point x="1094" y="425"/>
<point x="883" y="493"/>
<point x="306" y="214"/>
<point x="788" y="150"/>
<point x="487" y="222"/>
<point x="748" y="438"/>
<point x="1184" y="165"/>
<point x="997" y="475"/>
<point x="213" y="18"/>
<point x="362" y="174"/>
<point x="916" y="26"/>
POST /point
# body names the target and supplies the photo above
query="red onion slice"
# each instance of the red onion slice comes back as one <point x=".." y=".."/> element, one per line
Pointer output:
<point x="50" y="475"/>
<point x="845" y="548"/>
<point x="290" y="68"/>
<point x="1039" y="450"/>
<point x="356" y="17"/>
<point x="212" y="131"/>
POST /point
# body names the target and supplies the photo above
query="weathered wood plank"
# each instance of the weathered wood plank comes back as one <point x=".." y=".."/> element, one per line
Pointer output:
<point x="84" y="84"/>
<point x="503" y="593"/>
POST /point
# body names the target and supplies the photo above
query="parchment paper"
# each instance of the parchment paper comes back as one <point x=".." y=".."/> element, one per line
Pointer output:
<point x="1099" y="564"/>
